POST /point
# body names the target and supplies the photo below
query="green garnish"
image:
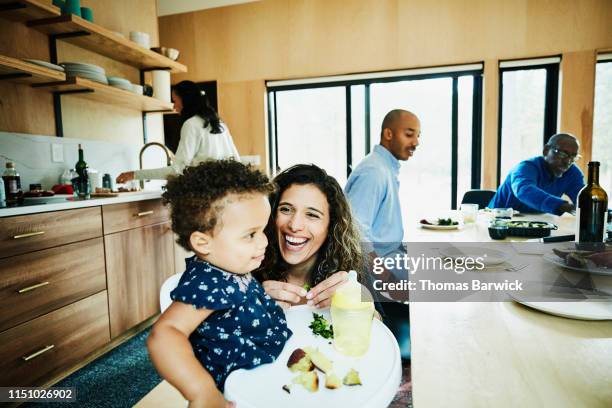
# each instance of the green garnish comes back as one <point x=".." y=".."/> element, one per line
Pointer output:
<point x="447" y="221"/>
<point x="321" y="327"/>
<point x="306" y="287"/>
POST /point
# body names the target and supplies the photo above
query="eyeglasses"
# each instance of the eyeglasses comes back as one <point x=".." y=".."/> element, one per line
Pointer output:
<point x="565" y="155"/>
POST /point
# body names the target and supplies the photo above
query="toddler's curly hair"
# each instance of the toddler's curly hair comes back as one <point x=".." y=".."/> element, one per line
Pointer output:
<point x="197" y="196"/>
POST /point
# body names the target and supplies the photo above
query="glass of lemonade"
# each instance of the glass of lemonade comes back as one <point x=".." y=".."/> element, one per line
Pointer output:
<point x="469" y="212"/>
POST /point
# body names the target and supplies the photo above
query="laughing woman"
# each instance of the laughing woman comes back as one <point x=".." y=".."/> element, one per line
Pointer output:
<point x="313" y="240"/>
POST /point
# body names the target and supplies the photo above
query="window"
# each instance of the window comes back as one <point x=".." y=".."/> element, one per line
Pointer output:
<point x="602" y="121"/>
<point x="334" y="122"/>
<point x="528" y="110"/>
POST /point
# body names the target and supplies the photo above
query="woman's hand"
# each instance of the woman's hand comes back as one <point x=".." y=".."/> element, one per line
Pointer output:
<point x="320" y="295"/>
<point x="285" y="294"/>
<point x="125" y="177"/>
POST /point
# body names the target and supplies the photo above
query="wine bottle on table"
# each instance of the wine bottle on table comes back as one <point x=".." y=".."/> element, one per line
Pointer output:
<point x="591" y="212"/>
<point x="83" y="179"/>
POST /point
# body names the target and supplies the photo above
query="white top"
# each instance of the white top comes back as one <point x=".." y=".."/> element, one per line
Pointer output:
<point x="197" y="144"/>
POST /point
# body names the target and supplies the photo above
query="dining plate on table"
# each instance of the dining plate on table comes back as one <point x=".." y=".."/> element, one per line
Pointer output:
<point x="489" y="256"/>
<point x="596" y="270"/>
<point x="571" y="309"/>
<point x="379" y="369"/>
<point x="433" y="226"/>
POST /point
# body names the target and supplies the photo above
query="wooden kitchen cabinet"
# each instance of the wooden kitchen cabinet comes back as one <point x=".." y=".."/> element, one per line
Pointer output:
<point x="42" y="348"/>
<point x="138" y="261"/>
<point x="27" y="233"/>
<point x="37" y="283"/>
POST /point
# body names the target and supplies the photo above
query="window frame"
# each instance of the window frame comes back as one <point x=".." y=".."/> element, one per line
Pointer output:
<point x="362" y="79"/>
<point x="551" y="100"/>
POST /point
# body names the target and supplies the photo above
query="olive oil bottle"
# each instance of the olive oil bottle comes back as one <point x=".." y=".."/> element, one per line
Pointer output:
<point x="591" y="211"/>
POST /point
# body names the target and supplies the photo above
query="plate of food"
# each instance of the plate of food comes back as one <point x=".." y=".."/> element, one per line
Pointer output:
<point x="439" y="224"/>
<point x="310" y="372"/>
<point x="595" y="262"/>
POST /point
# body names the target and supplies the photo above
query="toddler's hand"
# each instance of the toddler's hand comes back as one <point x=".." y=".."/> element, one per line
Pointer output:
<point x="203" y="402"/>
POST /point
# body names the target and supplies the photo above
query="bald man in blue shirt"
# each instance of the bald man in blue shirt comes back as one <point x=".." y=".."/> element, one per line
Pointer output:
<point x="373" y="191"/>
<point x="537" y="184"/>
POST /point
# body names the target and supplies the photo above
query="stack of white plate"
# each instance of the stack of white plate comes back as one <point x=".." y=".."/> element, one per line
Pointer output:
<point x="87" y="71"/>
<point x="120" y="83"/>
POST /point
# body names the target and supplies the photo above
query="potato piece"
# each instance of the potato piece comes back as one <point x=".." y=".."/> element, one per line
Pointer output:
<point x="299" y="361"/>
<point x="310" y="380"/>
<point x="319" y="359"/>
<point x="352" y="378"/>
<point x="332" y="381"/>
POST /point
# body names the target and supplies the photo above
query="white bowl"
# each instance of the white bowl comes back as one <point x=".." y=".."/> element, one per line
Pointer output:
<point x="172" y="53"/>
<point x="140" y="38"/>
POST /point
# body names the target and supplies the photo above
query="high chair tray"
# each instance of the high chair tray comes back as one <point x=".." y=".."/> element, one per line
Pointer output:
<point x="379" y="369"/>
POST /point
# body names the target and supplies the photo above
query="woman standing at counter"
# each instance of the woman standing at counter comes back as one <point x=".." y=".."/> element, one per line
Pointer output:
<point x="312" y="239"/>
<point x="203" y="135"/>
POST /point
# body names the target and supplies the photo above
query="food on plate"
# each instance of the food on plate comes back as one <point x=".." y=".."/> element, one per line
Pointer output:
<point x="321" y="327"/>
<point x="320" y="361"/>
<point x="309" y="380"/>
<point x="447" y="221"/>
<point x="103" y="190"/>
<point x="62" y="189"/>
<point x="304" y="360"/>
<point x="299" y="361"/>
<point x="332" y="381"/>
<point x="585" y="259"/>
<point x="352" y="378"/>
<point x="440" y="221"/>
<point x="38" y="193"/>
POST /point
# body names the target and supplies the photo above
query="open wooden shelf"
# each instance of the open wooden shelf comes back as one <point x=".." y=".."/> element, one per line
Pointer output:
<point x="26" y="10"/>
<point x="82" y="33"/>
<point x="16" y="70"/>
<point x="84" y="88"/>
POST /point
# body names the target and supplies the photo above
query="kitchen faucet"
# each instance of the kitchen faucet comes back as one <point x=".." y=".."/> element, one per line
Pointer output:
<point x="169" y="157"/>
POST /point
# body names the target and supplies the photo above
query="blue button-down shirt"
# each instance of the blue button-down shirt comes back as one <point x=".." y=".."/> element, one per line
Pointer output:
<point x="373" y="191"/>
<point x="530" y="187"/>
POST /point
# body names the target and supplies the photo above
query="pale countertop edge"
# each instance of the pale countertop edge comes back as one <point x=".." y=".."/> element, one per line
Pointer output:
<point x="68" y="205"/>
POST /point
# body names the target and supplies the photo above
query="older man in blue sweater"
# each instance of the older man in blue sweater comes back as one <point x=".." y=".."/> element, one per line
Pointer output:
<point x="537" y="184"/>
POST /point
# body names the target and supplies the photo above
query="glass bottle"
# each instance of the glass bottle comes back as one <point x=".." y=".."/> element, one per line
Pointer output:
<point x="12" y="185"/>
<point x="591" y="211"/>
<point x="80" y="167"/>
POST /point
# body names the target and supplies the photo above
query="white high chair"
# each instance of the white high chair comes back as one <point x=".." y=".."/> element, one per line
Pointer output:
<point x="167" y="287"/>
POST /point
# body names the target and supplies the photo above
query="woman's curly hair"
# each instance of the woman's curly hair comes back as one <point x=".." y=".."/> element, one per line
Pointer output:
<point x="196" y="196"/>
<point x="341" y="249"/>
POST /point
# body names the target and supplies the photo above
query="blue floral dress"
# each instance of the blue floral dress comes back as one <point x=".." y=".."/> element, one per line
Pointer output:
<point x="247" y="327"/>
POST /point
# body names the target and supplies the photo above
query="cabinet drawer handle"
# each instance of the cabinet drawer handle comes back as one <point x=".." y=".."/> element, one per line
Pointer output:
<point x="29" y="234"/>
<point x="142" y="214"/>
<point x="38" y="353"/>
<point x="29" y="288"/>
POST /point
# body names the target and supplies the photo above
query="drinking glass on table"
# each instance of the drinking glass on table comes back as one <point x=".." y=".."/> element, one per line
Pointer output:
<point x="469" y="212"/>
<point x="503" y="213"/>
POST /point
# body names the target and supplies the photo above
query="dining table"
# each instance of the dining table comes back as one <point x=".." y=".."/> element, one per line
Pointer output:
<point x="503" y="353"/>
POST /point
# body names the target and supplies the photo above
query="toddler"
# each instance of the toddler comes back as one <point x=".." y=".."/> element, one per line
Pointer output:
<point x="221" y="318"/>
